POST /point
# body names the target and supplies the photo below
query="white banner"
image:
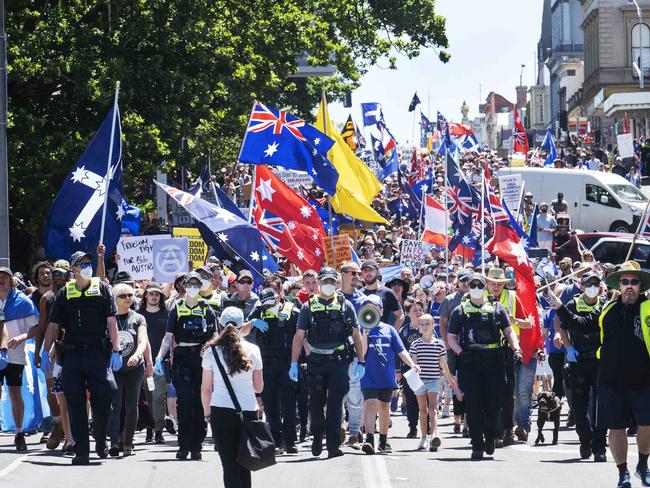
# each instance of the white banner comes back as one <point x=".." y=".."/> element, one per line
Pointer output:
<point x="625" y="145"/>
<point x="135" y="255"/>
<point x="412" y="254"/>
<point x="294" y="179"/>
<point x="510" y="188"/>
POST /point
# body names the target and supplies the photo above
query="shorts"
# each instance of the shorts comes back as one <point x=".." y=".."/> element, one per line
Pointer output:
<point x="13" y="374"/>
<point x="382" y="394"/>
<point x="615" y="408"/>
<point x="430" y="386"/>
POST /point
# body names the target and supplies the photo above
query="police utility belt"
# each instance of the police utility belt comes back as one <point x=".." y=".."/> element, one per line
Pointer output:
<point x="188" y="344"/>
<point x="327" y="352"/>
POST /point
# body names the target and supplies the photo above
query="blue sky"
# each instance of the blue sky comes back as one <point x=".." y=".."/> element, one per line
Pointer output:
<point x="489" y="40"/>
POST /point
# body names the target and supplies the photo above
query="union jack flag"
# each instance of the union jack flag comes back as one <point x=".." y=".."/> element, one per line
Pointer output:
<point x="271" y="227"/>
<point x="262" y="118"/>
<point x="519" y="135"/>
<point x="462" y="199"/>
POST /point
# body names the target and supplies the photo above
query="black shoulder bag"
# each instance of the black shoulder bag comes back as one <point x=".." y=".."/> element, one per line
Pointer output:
<point x="256" y="446"/>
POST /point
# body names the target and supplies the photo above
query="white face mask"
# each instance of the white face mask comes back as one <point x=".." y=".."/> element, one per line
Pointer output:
<point x="192" y="291"/>
<point x="592" y="291"/>
<point x="328" y="290"/>
<point x="205" y="285"/>
<point x="476" y="293"/>
<point x="86" y="273"/>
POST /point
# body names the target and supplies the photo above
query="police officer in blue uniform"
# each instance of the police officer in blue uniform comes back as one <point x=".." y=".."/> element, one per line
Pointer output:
<point x="191" y="323"/>
<point x="474" y="333"/>
<point x="85" y="310"/>
<point x="276" y="321"/>
<point x="329" y="323"/>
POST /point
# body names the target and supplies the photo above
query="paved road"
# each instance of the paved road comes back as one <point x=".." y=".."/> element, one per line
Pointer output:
<point x="155" y="466"/>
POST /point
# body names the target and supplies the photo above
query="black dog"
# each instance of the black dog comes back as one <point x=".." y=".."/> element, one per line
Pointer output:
<point x="548" y="409"/>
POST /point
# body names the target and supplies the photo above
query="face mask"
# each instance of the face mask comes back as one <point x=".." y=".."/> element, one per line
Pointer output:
<point x="592" y="291"/>
<point x="192" y="291"/>
<point x="86" y="273"/>
<point x="476" y="293"/>
<point x="328" y="290"/>
<point x="205" y="285"/>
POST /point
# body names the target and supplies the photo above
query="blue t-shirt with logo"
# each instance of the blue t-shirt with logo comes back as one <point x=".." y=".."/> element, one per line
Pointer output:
<point x="356" y="298"/>
<point x="383" y="343"/>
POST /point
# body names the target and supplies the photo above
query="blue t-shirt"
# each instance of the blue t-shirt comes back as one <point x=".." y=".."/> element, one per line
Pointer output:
<point x="549" y="323"/>
<point x="356" y="298"/>
<point x="435" y="313"/>
<point x="383" y="343"/>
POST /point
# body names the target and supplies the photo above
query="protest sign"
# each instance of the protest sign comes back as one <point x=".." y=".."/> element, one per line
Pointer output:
<point x="294" y="179"/>
<point x="136" y="255"/>
<point x="412" y="254"/>
<point x="196" y="246"/>
<point x="342" y="251"/>
<point x="625" y="145"/>
<point x="510" y="188"/>
<point x="170" y="257"/>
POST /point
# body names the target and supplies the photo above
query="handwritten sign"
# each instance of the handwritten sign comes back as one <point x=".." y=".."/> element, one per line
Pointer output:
<point x="197" y="249"/>
<point x="510" y="187"/>
<point x="169" y="258"/>
<point x="136" y="255"/>
<point x="342" y="251"/>
<point x="412" y="254"/>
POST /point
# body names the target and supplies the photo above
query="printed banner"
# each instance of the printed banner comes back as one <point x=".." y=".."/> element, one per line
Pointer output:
<point x="170" y="257"/>
<point x="196" y="246"/>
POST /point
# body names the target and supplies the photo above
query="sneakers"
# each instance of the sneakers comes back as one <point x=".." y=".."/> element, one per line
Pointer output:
<point x="303" y="433"/>
<point x="413" y="433"/>
<point x="68" y="449"/>
<point x="158" y="437"/>
<point x="101" y="450"/>
<point x="643" y="474"/>
<point x="128" y="451"/>
<point x="291" y="450"/>
<point x="334" y="454"/>
<point x="624" y="480"/>
<point x="56" y="436"/>
<point x="170" y="424"/>
<point x="194" y="455"/>
<point x="384" y="447"/>
<point x="434" y="444"/>
<point x="80" y="461"/>
<point x="466" y="433"/>
<point x="149" y="437"/>
<point x="600" y="457"/>
<point x="585" y="450"/>
<point x="445" y="411"/>
<point x="369" y="446"/>
<point x="19" y="441"/>
<point x="317" y="446"/>
<point x="521" y="433"/>
<point x="353" y="442"/>
<point x="114" y="451"/>
<point x="423" y="444"/>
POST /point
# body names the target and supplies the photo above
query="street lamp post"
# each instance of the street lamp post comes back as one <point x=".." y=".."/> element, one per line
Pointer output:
<point x="4" y="167"/>
<point x="639" y="66"/>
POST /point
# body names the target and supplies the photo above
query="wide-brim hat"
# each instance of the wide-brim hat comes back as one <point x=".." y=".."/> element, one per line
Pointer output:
<point x="497" y="275"/>
<point x="629" y="267"/>
<point x="399" y="281"/>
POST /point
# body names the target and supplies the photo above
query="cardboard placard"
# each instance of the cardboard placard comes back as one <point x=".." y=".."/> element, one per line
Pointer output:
<point x="342" y="251"/>
<point x="170" y="257"/>
<point x="196" y="246"/>
<point x="135" y="255"/>
<point x="625" y="145"/>
<point x="510" y="188"/>
<point x="412" y="254"/>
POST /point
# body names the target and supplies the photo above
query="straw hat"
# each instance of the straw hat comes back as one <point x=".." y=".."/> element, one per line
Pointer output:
<point x="629" y="267"/>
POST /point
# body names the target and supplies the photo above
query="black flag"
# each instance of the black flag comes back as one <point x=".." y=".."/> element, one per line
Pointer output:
<point x="414" y="102"/>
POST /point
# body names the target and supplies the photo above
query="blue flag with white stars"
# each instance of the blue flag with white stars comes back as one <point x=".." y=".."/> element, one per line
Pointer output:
<point x="278" y="138"/>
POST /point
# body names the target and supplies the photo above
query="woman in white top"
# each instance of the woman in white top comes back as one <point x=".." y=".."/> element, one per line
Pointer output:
<point x="242" y="362"/>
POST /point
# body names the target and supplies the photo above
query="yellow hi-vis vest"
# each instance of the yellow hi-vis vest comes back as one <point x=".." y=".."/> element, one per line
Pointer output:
<point x="645" y="323"/>
<point x="508" y="300"/>
<point x="93" y="290"/>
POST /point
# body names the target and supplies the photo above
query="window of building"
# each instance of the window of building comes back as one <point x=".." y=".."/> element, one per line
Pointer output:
<point x="641" y="45"/>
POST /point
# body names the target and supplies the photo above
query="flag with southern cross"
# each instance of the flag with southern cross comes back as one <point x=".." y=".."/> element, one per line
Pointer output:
<point x="278" y="138"/>
<point x="371" y="113"/>
<point x="426" y="124"/>
<point x="349" y="134"/>
<point x="551" y="151"/>
<point x="236" y="242"/>
<point x="447" y="145"/>
<point x="75" y="218"/>
<point x="130" y="218"/>
<point x="415" y="101"/>
<point x="462" y="198"/>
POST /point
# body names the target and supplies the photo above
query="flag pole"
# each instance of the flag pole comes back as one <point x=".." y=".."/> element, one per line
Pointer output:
<point x="643" y="220"/>
<point x="482" y="221"/>
<point x="109" y="172"/>
<point x="446" y="166"/>
<point x="329" y="197"/>
<point x="421" y="212"/>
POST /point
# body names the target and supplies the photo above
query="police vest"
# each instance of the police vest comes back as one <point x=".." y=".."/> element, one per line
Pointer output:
<point x="191" y="325"/>
<point x="277" y="340"/>
<point x="508" y="301"/>
<point x="215" y="302"/>
<point x="586" y="340"/>
<point x="645" y="323"/>
<point x="84" y="319"/>
<point x="479" y="330"/>
<point x="328" y="324"/>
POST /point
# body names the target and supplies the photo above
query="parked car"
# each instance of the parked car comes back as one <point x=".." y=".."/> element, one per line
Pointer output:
<point x="607" y="247"/>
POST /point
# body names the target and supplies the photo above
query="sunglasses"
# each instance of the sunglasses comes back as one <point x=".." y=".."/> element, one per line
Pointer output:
<point x="357" y="273"/>
<point x="627" y="282"/>
<point x="59" y="274"/>
<point x="85" y="265"/>
<point x="475" y="286"/>
<point x="124" y="296"/>
<point x="245" y="282"/>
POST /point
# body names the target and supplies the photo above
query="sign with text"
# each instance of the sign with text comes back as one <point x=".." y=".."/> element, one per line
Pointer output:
<point x="625" y="145"/>
<point x="510" y="187"/>
<point x="136" y="255"/>
<point x="196" y="247"/>
<point x="170" y="257"/>
<point x="412" y="254"/>
<point x="342" y="251"/>
<point x="294" y="179"/>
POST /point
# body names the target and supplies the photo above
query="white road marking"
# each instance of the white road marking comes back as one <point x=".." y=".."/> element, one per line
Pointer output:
<point x="13" y="465"/>
<point x="375" y="473"/>
<point x="548" y="449"/>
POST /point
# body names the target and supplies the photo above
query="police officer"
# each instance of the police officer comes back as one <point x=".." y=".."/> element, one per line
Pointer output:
<point x="85" y="310"/>
<point x="474" y="333"/>
<point x="191" y="323"/>
<point x="580" y="333"/>
<point x="214" y="298"/>
<point x="328" y="321"/>
<point x="276" y="321"/>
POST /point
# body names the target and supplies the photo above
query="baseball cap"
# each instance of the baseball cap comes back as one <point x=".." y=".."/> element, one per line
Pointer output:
<point x="464" y="275"/>
<point x="370" y="263"/>
<point x="373" y="300"/>
<point x="5" y="270"/>
<point x="153" y="286"/>
<point x="588" y="276"/>
<point x="231" y="316"/>
<point x="244" y="273"/>
<point x="268" y="297"/>
<point x="78" y="256"/>
<point x="204" y="269"/>
<point x="61" y="265"/>
<point x="123" y="277"/>
<point x="477" y="277"/>
<point x="231" y="279"/>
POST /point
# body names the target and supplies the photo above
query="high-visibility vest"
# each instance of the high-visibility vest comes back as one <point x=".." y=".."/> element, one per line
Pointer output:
<point x="645" y="323"/>
<point x="71" y="290"/>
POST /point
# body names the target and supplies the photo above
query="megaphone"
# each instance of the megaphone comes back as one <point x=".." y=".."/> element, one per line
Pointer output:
<point x="369" y="316"/>
<point x="426" y="282"/>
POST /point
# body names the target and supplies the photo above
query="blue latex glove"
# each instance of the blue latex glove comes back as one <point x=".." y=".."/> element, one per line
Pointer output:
<point x="572" y="355"/>
<point x="46" y="364"/>
<point x="116" y="361"/>
<point x="158" y="367"/>
<point x="260" y="324"/>
<point x="359" y="371"/>
<point x="3" y="360"/>
<point x="293" y="372"/>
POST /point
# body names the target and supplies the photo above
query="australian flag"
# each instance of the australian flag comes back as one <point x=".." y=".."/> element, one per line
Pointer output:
<point x="415" y="101"/>
<point x="426" y="124"/>
<point x="446" y="144"/>
<point x="462" y="199"/>
<point x="278" y="138"/>
<point x="236" y="242"/>
<point x="130" y="218"/>
<point x="75" y="219"/>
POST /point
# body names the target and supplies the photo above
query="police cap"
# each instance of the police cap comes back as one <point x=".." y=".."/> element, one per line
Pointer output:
<point x="268" y="297"/>
<point x="477" y="277"/>
<point x="78" y="256"/>
<point x="190" y="275"/>
<point x="589" y="276"/>
<point x="327" y="273"/>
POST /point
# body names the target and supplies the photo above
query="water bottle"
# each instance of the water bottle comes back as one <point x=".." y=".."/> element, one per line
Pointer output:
<point x="150" y="383"/>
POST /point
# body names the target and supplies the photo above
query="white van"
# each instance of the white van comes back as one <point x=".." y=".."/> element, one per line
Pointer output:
<point x="597" y="201"/>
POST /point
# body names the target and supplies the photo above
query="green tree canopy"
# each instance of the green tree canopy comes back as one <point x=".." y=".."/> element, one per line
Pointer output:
<point x="188" y="69"/>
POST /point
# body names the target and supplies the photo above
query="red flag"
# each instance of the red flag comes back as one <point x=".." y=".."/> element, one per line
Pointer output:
<point x="507" y="246"/>
<point x="287" y="222"/>
<point x="459" y="130"/>
<point x="626" y="126"/>
<point x="519" y="133"/>
<point x="417" y="168"/>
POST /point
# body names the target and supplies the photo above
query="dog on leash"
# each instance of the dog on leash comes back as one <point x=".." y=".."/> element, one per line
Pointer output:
<point x="548" y="408"/>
